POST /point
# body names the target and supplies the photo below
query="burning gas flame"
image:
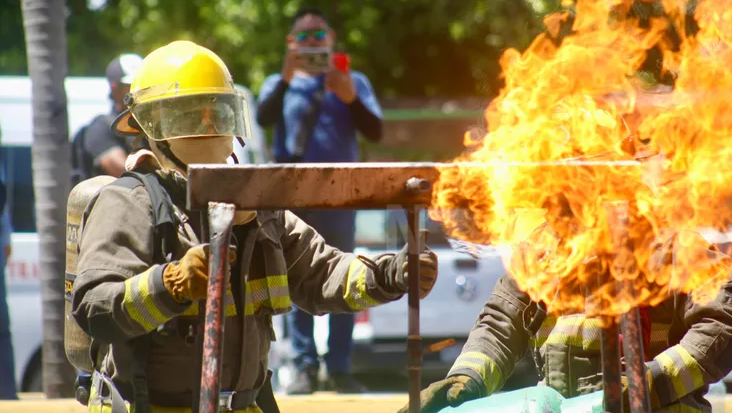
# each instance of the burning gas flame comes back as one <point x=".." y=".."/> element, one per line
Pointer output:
<point x="599" y="184"/>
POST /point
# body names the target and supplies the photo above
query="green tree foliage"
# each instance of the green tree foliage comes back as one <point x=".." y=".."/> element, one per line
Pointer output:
<point x="12" y="42"/>
<point x="442" y="48"/>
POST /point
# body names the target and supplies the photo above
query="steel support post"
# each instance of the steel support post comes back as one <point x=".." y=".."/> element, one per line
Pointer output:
<point x="624" y="266"/>
<point x="414" y="340"/>
<point x="635" y="366"/>
<point x="221" y="218"/>
<point x="610" y="351"/>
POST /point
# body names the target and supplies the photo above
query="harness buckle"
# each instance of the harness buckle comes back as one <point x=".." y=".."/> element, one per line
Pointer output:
<point x="226" y="399"/>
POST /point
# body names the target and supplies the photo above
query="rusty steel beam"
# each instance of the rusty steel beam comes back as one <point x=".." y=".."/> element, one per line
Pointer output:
<point x="610" y="354"/>
<point x="624" y="266"/>
<point x="355" y="185"/>
<point x="221" y="219"/>
<point x="638" y="395"/>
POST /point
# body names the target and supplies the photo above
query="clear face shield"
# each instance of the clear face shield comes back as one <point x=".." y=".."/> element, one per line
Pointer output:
<point x="165" y="113"/>
<point x="198" y="124"/>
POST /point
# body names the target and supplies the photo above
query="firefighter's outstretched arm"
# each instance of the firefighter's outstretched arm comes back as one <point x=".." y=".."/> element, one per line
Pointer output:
<point x="323" y="279"/>
<point x="704" y="354"/>
<point x="119" y="293"/>
<point x="498" y="340"/>
<point x="495" y="344"/>
<point x="702" y="357"/>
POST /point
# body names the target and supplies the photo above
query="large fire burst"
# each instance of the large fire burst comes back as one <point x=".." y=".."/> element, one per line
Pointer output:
<point x="659" y="157"/>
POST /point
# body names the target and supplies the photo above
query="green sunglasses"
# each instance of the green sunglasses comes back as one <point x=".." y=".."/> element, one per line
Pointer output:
<point x="315" y="34"/>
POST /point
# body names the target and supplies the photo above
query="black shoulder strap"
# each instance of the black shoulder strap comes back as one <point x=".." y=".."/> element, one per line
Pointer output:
<point x="165" y="223"/>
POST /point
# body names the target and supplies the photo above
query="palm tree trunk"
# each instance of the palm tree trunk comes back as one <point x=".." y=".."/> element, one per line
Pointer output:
<point x="45" y="36"/>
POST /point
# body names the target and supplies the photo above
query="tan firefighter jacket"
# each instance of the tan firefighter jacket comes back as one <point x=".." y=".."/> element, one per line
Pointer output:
<point x="119" y="293"/>
<point x="690" y="347"/>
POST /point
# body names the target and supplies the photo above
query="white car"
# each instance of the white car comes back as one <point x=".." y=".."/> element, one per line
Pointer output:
<point x="449" y="312"/>
<point x="87" y="97"/>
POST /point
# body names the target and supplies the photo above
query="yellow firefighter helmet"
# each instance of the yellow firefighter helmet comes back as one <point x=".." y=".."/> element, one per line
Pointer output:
<point x="184" y="90"/>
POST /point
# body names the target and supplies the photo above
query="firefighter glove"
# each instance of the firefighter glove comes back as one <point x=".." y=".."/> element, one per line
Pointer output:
<point x="187" y="279"/>
<point x="396" y="271"/>
<point x="450" y="392"/>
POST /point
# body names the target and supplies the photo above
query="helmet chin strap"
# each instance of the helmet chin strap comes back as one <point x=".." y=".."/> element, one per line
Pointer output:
<point x="164" y="147"/>
<point x="233" y="154"/>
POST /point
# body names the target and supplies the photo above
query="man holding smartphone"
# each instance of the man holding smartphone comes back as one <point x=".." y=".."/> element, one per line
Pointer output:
<point x="317" y="106"/>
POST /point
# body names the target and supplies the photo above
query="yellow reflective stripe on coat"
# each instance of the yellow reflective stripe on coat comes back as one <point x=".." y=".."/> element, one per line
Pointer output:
<point x="574" y="330"/>
<point x="229" y="309"/>
<point x="683" y="371"/>
<point x="481" y="364"/>
<point x="546" y="328"/>
<point x="355" y="295"/>
<point x="579" y="331"/>
<point x="272" y="291"/>
<point x="139" y="302"/>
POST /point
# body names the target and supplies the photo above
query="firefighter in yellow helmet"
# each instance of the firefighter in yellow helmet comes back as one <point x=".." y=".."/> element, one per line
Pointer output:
<point x="136" y="296"/>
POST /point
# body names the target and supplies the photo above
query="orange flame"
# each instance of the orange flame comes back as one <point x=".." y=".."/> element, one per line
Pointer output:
<point x="600" y="185"/>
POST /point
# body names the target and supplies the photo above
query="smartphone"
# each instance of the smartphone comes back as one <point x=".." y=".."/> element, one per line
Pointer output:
<point x="317" y="59"/>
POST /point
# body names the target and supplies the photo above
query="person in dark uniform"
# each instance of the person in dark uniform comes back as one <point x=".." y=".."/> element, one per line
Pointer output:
<point x="97" y="149"/>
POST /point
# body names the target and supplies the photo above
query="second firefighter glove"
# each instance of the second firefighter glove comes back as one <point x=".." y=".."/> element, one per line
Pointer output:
<point x="395" y="269"/>
<point x="450" y="392"/>
<point x="187" y="279"/>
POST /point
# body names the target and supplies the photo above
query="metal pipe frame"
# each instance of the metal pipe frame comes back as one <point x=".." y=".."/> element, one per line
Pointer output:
<point x="354" y="186"/>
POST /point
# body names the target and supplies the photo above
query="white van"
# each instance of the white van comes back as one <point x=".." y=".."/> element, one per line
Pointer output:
<point x="87" y="97"/>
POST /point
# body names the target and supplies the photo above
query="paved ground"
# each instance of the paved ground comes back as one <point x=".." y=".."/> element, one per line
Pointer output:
<point x="318" y="403"/>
